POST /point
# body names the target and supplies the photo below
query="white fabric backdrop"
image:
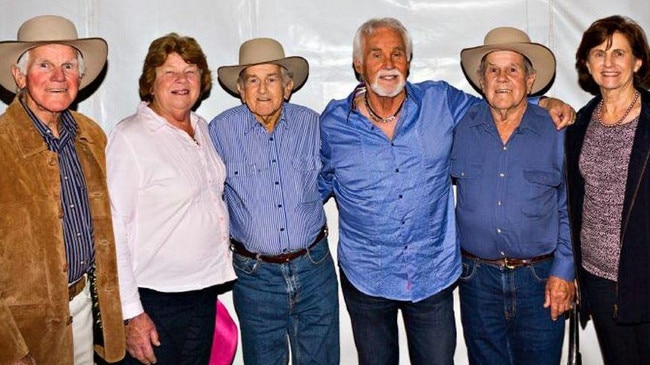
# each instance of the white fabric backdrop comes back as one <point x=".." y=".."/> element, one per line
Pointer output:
<point x="321" y="31"/>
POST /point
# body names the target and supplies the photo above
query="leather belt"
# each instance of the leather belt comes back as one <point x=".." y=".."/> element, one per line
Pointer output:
<point x="507" y="262"/>
<point x="76" y="288"/>
<point x="238" y="248"/>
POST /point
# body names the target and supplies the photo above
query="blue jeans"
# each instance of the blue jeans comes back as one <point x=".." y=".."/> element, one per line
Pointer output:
<point x="185" y="325"/>
<point x="619" y="343"/>
<point x="503" y="315"/>
<point x="430" y="327"/>
<point x="292" y="304"/>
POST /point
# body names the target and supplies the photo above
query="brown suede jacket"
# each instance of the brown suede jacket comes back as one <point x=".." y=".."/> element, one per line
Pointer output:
<point x="34" y="314"/>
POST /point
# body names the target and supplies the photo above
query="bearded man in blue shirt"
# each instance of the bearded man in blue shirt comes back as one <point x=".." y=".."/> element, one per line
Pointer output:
<point x="508" y="164"/>
<point x="385" y="152"/>
<point x="286" y="292"/>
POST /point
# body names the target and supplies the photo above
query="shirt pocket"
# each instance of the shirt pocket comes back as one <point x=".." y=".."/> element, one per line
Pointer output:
<point x="306" y="170"/>
<point x="468" y="184"/>
<point x="540" y="192"/>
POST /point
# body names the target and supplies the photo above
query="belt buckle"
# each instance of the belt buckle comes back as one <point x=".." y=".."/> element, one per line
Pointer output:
<point x="507" y="265"/>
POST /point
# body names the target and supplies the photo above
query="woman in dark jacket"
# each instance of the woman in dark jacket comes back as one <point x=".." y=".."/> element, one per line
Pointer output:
<point x="608" y="178"/>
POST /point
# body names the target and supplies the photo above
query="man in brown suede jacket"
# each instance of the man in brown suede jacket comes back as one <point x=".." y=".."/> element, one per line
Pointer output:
<point x="57" y="252"/>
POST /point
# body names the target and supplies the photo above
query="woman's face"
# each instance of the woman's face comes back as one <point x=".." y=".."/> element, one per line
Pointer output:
<point x="177" y="86"/>
<point x="613" y="68"/>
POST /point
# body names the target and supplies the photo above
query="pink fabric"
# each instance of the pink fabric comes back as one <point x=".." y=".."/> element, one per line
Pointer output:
<point x="224" y="344"/>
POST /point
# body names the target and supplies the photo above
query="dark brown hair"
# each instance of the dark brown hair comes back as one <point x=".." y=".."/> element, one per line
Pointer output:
<point x="186" y="47"/>
<point x="602" y="30"/>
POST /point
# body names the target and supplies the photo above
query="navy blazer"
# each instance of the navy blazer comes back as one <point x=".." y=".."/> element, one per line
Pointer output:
<point x="633" y="289"/>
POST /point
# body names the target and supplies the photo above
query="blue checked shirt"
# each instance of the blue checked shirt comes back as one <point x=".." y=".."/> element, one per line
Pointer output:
<point x="397" y="231"/>
<point x="77" y="223"/>
<point x="271" y="184"/>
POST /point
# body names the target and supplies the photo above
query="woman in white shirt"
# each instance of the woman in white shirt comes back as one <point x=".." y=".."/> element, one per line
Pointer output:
<point x="171" y="223"/>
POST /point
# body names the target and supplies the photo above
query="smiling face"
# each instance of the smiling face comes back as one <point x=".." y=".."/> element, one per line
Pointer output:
<point x="385" y="64"/>
<point x="176" y="88"/>
<point x="263" y="90"/>
<point x="51" y="81"/>
<point x="504" y="80"/>
<point x="613" y="67"/>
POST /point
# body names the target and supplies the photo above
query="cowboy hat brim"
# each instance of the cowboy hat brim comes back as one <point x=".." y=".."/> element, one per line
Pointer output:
<point x="542" y="59"/>
<point x="93" y="50"/>
<point x="298" y="66"/>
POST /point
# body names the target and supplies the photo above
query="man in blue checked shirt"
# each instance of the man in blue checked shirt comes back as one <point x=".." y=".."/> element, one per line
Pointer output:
<point x="286" y="292"/>
<point x="385" y="152"/>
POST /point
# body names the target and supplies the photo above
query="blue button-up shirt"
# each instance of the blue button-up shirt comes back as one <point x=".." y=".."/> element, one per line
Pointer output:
<point x="77" y="222"/>
<point x="271" y="184"/>
<point x="512" y="197"/>
<point x="396" y="215"/>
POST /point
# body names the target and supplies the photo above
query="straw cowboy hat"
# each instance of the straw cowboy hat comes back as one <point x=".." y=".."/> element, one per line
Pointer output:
<point x="510" y="39"/>
<point x="48" y="29"/>
<point x="260" y="51"/>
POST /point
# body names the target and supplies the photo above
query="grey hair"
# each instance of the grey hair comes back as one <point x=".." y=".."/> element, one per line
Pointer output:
<point x="528" y="66"/>
<point x="23" y="61"/>
<point x="287" y="77"/>
<point x="369" y="27"/>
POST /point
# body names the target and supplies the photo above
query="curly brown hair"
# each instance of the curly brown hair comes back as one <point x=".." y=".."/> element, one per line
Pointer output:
<point x="186" y="47"/>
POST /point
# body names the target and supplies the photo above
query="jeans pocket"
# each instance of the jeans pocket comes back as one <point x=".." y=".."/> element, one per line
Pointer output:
<point x="244" y="264"/>
<point x="540" y="271"/>
<point x="319" y="253"/>
<point x="469" y="269"/>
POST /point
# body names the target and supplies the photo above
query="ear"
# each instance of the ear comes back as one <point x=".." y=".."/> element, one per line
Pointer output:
<point x="637" y="65"/>
<point x="288" y="89"/>
<point x="19" y="77"/>
<point x="358" y="66"/>
<point x="241" y="94"/>
<point x="530" y="81"/>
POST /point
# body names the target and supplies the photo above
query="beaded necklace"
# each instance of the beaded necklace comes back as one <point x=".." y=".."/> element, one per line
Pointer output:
<point x="599" y="112"/>
<point x="376" y="116"/>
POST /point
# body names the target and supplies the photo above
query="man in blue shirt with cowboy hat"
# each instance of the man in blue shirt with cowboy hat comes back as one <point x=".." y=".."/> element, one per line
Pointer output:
<point x="286" y="292"/>
<point x="508" y="163"/>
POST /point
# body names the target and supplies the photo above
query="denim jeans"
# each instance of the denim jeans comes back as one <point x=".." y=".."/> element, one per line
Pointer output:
<point x="185" y="325"/>
<point x="288" y="305"/>
<point x="430" y="327"/>
<point x="619" y="343"/>
<point x="503" y="315"/>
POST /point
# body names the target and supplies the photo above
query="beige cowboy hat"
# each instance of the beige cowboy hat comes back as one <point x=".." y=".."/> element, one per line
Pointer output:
<point x="48" y="29"/>
<point x="260" y="51"/>
<point x="510" y="39"/>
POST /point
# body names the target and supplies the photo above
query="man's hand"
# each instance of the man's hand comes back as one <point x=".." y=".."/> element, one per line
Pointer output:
<point x="559" y="296"/>
<point x="562" y="114"/>
<point x="140" y="335"/>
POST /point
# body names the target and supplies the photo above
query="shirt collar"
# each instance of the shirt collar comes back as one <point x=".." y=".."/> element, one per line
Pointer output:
<point x="484" y="117"/>
<point x="253" y="123"/>
<point x="67" y="129"/>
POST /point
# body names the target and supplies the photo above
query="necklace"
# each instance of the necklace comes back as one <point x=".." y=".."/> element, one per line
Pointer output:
<point x="599" y="112"/>
<point x="376" y="116"/>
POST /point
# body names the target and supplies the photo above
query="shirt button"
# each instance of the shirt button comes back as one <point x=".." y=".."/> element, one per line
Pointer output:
<point x="396" y="170"/>
<point x="72" y="206"/>
<point x="498" y="230"/>
<point x="273" y="160"/>
<point x="277" y="183"/>
<point x="52" y="162"/>
<point x="270" y="139"/>
<point x="499" y="203"/>
<point x="281" y="229"/>
<point x="279" y="205"/>
<point x="502" y="174"/>
<point x="505" y="148"/>
<point x="400" y="196"/>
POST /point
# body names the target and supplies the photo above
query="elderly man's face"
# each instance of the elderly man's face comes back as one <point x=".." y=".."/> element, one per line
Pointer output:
<point x="52" y="79"/>
<point x="385" y="63"/>
<point x="505" y="84"/>
<point x="263" y="91"/>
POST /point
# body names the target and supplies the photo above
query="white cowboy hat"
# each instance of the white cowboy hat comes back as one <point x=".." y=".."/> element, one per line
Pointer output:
<point x="48" y="29"/>
<point x="510" y="39"/>
<point x="261" y="51"/>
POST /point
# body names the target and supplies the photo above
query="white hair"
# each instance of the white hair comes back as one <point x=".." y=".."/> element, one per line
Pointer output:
<point x="23" y="61"/>
<point x="366" y="29"/>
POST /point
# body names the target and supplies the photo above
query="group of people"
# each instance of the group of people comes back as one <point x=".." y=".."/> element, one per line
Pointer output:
<point x="142" y="228"/>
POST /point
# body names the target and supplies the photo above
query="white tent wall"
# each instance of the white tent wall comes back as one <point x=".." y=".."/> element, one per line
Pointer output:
<point x="322" y="32"/>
